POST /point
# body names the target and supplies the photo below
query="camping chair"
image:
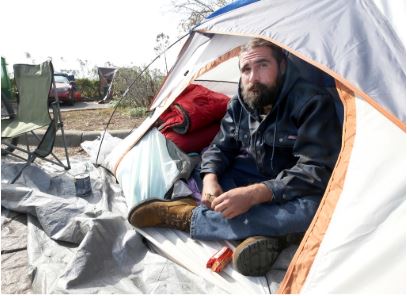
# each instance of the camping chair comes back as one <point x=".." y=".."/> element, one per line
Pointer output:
<point x="34" y="83"/>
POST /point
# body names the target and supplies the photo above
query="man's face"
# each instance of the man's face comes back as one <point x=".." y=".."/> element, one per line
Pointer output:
<point x="260" y="77"/>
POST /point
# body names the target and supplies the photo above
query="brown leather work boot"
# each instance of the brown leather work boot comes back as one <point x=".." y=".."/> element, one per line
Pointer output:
<point x="255" y="255"/>
<point x="163" y="213"/>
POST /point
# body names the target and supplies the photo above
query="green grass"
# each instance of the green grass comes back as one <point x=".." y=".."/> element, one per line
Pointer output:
<point x="133" y="111"/>
<point x="138" y="111"/>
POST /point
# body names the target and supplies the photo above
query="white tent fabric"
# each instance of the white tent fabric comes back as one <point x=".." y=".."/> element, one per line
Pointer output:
<point x="365" y="243"/>
<point x="361" y="44"/>
<point x="201" y="52"/>
<point x="349" y="38"/>
<point x="193" y="255"/>
<point x="395" y="13"/>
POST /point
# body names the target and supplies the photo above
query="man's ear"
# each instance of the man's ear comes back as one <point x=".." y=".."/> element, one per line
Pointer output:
<point x="283" y="66"/>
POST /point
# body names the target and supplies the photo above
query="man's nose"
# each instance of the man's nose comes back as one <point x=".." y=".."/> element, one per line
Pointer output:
<point x="254" y="76"/>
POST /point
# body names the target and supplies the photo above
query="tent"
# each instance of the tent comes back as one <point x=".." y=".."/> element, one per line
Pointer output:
<point x="356" y="241"/>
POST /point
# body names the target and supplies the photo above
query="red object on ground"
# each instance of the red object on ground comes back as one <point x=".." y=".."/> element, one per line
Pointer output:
<point x="220" y="259"/>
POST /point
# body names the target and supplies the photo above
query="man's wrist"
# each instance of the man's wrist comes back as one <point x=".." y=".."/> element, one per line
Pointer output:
<point x="210" y="177"/>
<point x="260" y="193"/>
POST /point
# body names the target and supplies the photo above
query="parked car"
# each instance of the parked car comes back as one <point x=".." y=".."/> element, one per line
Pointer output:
<point x="71" y="78"/>
<point x="65" y="89"/>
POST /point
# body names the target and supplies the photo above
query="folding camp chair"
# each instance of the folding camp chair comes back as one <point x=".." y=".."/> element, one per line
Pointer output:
<point x="34" y="83"/>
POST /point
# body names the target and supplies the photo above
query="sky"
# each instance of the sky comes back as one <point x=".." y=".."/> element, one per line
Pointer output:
<point x="122" y="32"/>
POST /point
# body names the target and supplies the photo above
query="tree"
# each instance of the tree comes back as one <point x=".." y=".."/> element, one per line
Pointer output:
<point x="146" y="85"/>
<point x="162" y="41"/>
<point x="195" y="11"/>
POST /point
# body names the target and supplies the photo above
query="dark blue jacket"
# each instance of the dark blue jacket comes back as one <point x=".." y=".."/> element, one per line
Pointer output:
<point x="296" y="146"/>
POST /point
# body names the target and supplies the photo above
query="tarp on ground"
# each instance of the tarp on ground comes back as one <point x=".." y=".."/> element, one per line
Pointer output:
<point x="86" y="245"/>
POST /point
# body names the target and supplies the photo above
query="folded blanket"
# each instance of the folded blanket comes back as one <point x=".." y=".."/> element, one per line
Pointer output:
<point x="193" y="120"/>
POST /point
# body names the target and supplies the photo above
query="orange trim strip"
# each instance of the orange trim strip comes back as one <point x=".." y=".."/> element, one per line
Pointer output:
<point x="301" y="263"/>
<point x="335" y="75"/>
<point x="223" y="58"/>
<point x="167" y="102"/>
<point x="228" y="55"/>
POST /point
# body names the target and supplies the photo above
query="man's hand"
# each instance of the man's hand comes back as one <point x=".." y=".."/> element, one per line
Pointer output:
<point x="211" y="189"/>
<point x="239" y="200"/>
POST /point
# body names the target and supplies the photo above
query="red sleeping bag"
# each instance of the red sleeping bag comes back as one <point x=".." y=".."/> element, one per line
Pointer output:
<point x="192" y="121"/>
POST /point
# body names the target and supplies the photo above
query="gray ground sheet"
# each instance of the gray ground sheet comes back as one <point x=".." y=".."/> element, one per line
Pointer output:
<point x="14" y="258"/>
<point x="55" y="242"/>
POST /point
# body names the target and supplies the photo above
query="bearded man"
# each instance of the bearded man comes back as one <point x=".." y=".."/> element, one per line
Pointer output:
<point x="266" y="171"/>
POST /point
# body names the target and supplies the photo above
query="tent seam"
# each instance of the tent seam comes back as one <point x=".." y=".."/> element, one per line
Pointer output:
<point x="297" y="264"/>
<point x="398" y="122"/>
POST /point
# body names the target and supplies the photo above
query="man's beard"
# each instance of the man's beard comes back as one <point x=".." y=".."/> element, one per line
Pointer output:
<point x="258" y="95"/>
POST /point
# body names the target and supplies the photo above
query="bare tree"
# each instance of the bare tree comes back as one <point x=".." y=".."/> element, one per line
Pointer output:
<point x="195" y="11"/>
<point x="162" y="41"/>
<point x="146" y="84"/>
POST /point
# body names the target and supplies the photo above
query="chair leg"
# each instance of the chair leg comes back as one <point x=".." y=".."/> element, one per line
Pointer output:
<point x="30" y="160"/>
<point x="60" y="125"/>
<point x="26" y="142"/>
<point x="68" y="167"/>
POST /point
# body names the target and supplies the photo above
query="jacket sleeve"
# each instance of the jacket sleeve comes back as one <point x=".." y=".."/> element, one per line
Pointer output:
<point x="224" y="146"/>
<point x="316" y="147"/>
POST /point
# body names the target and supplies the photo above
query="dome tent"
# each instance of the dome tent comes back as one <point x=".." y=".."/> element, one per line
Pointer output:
<point x="355" y="242"/>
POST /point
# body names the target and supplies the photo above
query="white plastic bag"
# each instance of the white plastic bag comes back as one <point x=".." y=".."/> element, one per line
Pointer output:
<point x="92" y="147"/>
<point x="151" y="168"/>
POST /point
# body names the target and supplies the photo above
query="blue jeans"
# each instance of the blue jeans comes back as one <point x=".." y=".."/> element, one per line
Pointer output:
<point x="267" y="219"/>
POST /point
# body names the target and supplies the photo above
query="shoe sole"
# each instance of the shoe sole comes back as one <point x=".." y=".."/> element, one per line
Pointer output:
<point x="256" y="258"/>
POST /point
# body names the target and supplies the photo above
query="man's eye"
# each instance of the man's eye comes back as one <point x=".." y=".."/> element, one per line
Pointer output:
<point x="245" y="70"/>
<point x="264" y="65"/>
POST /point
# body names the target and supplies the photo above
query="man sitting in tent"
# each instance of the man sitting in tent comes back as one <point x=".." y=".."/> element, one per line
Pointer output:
<point x="266" y="171"/>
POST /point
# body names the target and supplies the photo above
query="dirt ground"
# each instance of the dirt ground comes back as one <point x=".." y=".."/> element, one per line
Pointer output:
<point x="96" y="120"/>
